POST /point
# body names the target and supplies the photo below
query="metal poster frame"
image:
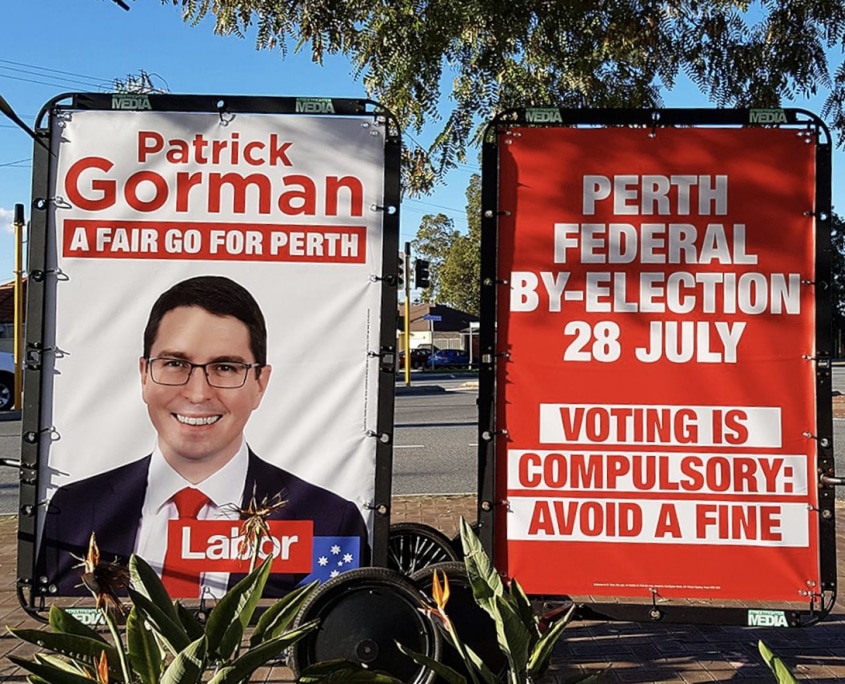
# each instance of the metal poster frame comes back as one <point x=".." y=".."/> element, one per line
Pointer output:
<point x="37" y="426"/>
<point x="494" y="352"/>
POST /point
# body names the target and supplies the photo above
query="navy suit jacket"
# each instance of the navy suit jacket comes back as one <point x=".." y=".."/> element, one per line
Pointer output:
<point x="110" y="504"/>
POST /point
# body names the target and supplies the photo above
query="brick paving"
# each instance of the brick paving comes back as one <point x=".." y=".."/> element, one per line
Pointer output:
<point x="626" y="651"/>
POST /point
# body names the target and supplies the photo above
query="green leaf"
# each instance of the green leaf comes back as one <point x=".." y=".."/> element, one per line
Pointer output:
<point x="440" y="669"/>
<point x="482" y="576"/>
<point x="523" y="608"/>
<point x="539" y="660"/>
<point x="480" y="666"/>
<point x="144" y="651"/>
<point x="187" y="667"/>
<point x="780" y="671"/>
<point x="241" y="668"/>
<point x="49" y="672"/>
<point x="345" y="672"/>
<point x="73" y="646"/>
<point x="146" y="582"/>
<point x="168" y="628"/>
<point x="231" y="615"/>
<point x="278" y="617"/>
<point x="58" y="661"/>
<point x="63" y="622"/>
<point x="189" y="622"/>
<point x="514" y="639"/>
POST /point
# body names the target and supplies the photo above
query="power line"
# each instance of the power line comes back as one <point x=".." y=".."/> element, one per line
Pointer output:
<point x="54" y="71"/>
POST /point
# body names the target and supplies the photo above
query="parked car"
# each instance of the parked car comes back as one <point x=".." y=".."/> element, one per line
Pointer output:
<point x="447" y="358"/>
<point x="7" y="380"/>
<point x="419" y="358"/>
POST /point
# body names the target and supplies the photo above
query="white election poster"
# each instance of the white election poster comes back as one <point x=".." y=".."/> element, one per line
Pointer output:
<point x="286" y="207"/>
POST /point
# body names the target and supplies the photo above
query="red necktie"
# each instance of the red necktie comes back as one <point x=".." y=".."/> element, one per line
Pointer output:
<point x="182" y="583"/>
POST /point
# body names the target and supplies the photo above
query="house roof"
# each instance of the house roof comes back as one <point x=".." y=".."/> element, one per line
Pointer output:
<point x="451" y="320"/>
<point x="7" y="301"/>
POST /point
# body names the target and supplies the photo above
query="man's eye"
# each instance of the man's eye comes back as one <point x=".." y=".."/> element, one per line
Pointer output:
<point x="224" y="368"/>
<point x="174" y="364"/>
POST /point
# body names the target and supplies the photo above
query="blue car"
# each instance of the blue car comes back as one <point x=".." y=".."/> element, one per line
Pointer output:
<point x="446" y="358"/>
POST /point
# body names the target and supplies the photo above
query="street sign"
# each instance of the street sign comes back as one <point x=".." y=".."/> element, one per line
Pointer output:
<point x="432" y="317"/>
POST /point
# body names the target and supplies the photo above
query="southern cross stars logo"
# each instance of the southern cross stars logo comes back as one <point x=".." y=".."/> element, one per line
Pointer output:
<point x="332" y="556"/>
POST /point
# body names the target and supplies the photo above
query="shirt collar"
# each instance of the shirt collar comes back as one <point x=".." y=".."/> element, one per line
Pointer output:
<point x="223" y="487"/>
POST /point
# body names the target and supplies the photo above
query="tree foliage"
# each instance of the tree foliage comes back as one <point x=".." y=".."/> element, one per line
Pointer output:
<point x="460" y="276"/>
<point x="497" y="55"/>
<point x="435" y="237"/>
<point x="454" y="256"/>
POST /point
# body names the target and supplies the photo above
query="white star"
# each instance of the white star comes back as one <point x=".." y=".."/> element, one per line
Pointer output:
<point x="340" y="564"/>
<point x="335" y="550"/>
<point x="322" y="561"/>
<point x="347" y="558"/>
<point x="334" y="573"/>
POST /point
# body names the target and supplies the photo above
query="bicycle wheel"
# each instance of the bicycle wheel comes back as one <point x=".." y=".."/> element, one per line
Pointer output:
<point x="362" y="614"/>
<point x="413" y="546"/>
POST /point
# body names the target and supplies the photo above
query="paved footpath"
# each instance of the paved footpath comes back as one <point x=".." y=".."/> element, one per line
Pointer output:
<point x="633" y="652"/>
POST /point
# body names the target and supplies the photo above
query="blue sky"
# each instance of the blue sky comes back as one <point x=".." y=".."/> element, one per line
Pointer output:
<point x="55" y="46"/>
<point x="51" y="47"/>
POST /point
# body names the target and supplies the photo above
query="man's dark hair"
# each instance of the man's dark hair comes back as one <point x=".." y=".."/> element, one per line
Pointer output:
<point x="219" y="296"/>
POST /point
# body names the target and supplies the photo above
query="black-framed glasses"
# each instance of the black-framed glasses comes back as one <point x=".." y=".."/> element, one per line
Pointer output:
<point x="165" y="370"/>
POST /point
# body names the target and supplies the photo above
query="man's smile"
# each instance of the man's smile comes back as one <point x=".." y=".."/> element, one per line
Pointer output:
<point x="196" y="420"/>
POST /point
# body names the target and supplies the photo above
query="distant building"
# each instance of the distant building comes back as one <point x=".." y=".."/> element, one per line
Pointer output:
<point x="7" y="314"/>
<point x="441" y="326"/>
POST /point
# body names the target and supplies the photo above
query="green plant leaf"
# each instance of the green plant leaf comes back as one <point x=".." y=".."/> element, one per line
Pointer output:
<point x="63" y="622"/>
<point x="481" y="667"/>
<point x="513" y="637"/>
<point x="189" y="622"/>
<point x="143" y="648"/>
<point x="780" y="671"/>
<point x="73" y="646"/>
<point x="345" y="672"/>
<point x="472" y="661"/>
<point x="482" y="576"/>
<point x="440" y="669"/>
<point x="58" y="661"/>
<point x="242" y="667"/>
<point x="49" y="673"/>
<point x="278" y="617"/>
<point x="539" y="660"/>
<point x="523" y="607"/>
<point x="187" y="667"/>
<point x="146" y="582"/>
<point x="168" y="628"/>
<point x="231" y="615"/>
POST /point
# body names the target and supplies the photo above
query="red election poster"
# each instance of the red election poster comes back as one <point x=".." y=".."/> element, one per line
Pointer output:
<point x="658" y="394"/>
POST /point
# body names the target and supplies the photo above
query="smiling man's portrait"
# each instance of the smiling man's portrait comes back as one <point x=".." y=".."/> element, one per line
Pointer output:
<point x="203" y="371"/>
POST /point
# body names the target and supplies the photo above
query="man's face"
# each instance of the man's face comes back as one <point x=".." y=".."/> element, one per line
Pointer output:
<point x="200" y="427"/>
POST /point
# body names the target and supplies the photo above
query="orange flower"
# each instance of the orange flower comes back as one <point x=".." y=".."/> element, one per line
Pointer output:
<point x="103" y="669"/>
<point x="440" y="592"/>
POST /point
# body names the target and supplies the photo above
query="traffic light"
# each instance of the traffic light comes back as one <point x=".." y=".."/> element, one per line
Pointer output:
<point x="400" y="272"/>
<point x="422" y="277"/>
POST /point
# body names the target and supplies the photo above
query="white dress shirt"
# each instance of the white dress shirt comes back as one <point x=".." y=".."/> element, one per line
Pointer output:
<point x="224" y="490"/>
